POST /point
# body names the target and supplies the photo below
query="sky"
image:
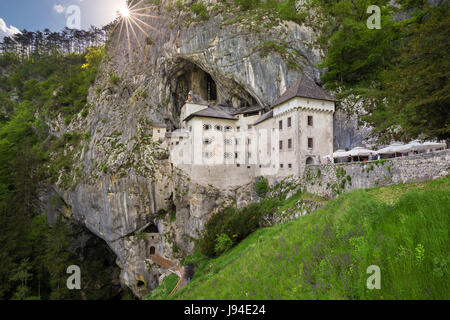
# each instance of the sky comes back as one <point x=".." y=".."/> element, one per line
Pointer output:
<point x="35" y="15"/>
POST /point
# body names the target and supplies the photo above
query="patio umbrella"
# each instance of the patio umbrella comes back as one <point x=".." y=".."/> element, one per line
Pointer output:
<point x="361" y="152"/>
<point x="391" y="149"/>
<point x="412" y="146"/>
<point x="434" y="145"/>
<point x="340" y="154"/>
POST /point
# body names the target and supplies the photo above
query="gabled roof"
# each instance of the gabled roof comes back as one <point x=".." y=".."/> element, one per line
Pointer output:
<point x="246" y="110"/>
<point x="264" y="117"/>
<point x="304" y="87"/>
<point x="220" y="112"/>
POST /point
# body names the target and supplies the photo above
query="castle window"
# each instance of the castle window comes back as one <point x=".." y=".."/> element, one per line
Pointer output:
<point x="249" y="126"/>
<point x="249" y="154"/>
<point x="236" y="155"/>
<point x="206" y="127"/>
<point x="238" y="128"/>
<point x="289" y="120"/>
<point x="228" y="129"/>
<point x="159" y="131"/>
<point x="310" y="143"/>
<point x="289" y="143"/>
<point x="190" y="128"/>
<point x="280" y="124"/>
<point x="310" y="121"/>
<point x="249" y="141"/>
<point x="207" y="141"/>
<point x="237" y="141"/>
<point x="290" y="165"/>
<point x="228" y="155"/>
<point x="281" y="165"/>
<point x="281" y="144"/>
<point x="207" y="154"/>
<point x="218" y="128"/>
<point x="228" y="141"/>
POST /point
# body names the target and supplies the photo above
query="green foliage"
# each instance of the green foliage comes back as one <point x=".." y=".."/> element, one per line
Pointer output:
<point x="261" y="187"/>
<point x="199" y="8"/>
<point x="34" y="255"/>
<point x="417" y="86"/>
<point x="163" y="290"/>
<point x="113" y="78"/>
<point x="325" y="255"/>
<point x="223" y="243"/>
<point x="397" y="72"/>
<point x="235" y="224"/>
<point x="284" y="10"/>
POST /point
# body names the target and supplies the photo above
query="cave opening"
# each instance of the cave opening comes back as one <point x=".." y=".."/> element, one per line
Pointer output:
<point x="151" y="228"/>
<point x="189" y="77"/>
<point x="185" y="76"/>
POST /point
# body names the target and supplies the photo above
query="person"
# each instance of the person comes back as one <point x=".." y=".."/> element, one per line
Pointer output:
<point x="378" y="157"/>
<point x="349" y="158"/>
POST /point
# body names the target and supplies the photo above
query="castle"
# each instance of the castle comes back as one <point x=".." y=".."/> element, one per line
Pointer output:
<point x="224" y="146"/>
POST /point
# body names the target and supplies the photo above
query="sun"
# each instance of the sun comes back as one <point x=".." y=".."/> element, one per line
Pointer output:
<point x="130" y="20"/>
<point x="124" y="12"/>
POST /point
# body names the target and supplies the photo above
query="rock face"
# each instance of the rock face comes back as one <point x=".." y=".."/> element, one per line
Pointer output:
<point x="121" y="185"/>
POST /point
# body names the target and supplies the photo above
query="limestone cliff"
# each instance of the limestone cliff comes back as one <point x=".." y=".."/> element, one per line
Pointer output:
<point x="124" y="186"/>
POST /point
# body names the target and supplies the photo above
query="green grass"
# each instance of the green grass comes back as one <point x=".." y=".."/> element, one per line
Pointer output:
<point x="162" y="292"/>
<point x="403" y="229"/>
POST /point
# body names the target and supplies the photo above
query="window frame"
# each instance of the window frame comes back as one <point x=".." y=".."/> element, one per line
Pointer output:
<point x="310" y="139"/>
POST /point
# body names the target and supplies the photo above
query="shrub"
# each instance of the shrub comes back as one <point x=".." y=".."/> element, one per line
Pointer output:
<point x="113" y="78"/>
<point x="212" y="228"/>
<point x="68" y="119"/>
<point x="199" y="9"/>
<point x="261" y="187"/>
<point x="235" y="224"/>
<point x="223" y="243"/>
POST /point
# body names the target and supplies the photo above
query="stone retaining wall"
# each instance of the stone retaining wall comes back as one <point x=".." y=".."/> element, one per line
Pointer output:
<point x="331" y="179"/>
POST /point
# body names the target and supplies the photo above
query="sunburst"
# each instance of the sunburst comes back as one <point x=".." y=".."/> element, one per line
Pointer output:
<point x="131" y="17"/>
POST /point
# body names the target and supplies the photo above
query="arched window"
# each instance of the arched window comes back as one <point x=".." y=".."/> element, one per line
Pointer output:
<point x="309" y="160"/>
<point x="152" y="250"/>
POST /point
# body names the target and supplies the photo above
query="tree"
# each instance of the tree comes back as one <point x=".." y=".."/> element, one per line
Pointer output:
<point x="21" y="274"/>
<point x="416" y="87"/>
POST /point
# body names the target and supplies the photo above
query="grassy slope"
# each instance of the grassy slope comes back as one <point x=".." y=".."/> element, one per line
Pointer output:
<point x="404" y="229"/>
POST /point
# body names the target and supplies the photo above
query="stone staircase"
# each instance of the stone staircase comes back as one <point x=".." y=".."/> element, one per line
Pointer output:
<point x="171" y="267"/>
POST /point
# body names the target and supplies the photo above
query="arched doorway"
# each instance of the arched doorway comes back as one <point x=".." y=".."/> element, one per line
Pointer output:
<point x="152" y="250"/>
<point x="309" y="160"/>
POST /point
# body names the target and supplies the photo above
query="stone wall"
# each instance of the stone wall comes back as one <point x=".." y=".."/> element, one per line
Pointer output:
<point x="332" y="179"/>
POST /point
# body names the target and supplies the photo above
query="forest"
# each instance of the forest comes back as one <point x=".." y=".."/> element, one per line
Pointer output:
<point x="43" y="75"/>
